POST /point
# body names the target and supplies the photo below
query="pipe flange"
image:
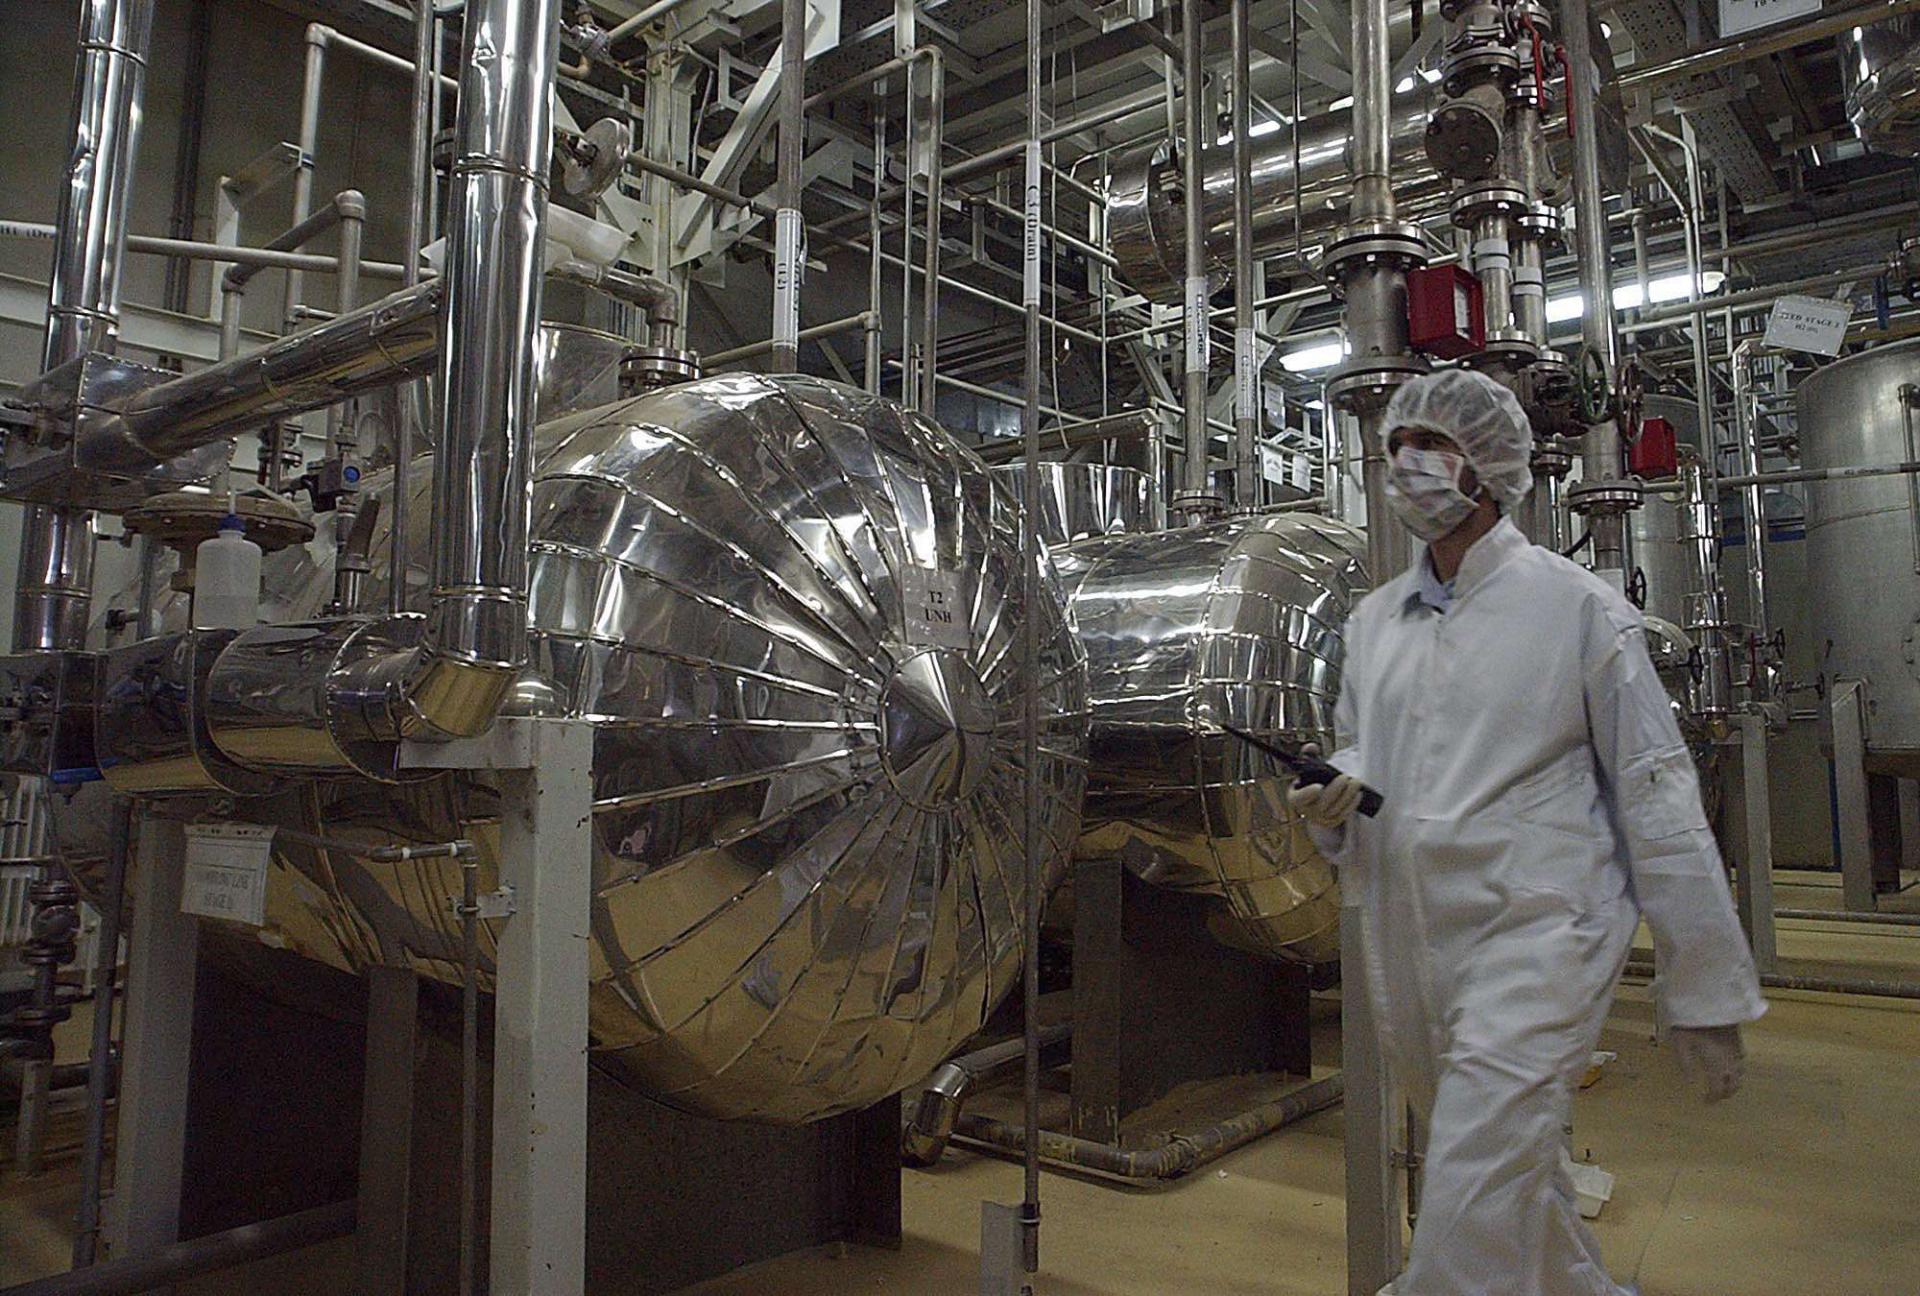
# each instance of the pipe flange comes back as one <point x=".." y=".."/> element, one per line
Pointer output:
<point x="1481" y="62"/>
<point x="1371" y="243"/>
<point x="1550" y="460"/>
<point x="1543" y="222"/>
<point x="590" y="165"/>
<point x="1606" y="498"/>
<point x="1495" y="197"/>
<point x="646" y="369"/>
<point x="1504" y="346"/>
<point x="1361" y="384"/>
<point x="1199" y="503"/>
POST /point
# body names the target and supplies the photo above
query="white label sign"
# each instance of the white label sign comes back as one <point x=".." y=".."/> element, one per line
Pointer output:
<point x="1816" y="324"/>
<point x="1738" y="16"/>
<point x="226" y="872"/>
<point x="936" y="616"/>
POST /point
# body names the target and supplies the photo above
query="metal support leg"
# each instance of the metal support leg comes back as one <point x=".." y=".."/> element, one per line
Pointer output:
<point x="1851" y="818"/>
<point x="1755" y="891"/>
<point x="30" y="1128"/>
<point x="1373" y="1191"/>
<point x="150" y="1141"/>
<point x="386" y="1132"/>
<point x="539" y="1202"/>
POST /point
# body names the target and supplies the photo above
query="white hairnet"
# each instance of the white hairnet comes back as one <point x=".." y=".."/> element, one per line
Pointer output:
<point x="1482" y="416"/>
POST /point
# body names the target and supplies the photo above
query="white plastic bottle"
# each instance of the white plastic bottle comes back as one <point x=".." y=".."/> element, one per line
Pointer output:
<point x="226" y="579"/>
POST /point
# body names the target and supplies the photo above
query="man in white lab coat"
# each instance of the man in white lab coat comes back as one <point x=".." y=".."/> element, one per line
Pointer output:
<point x="1539" y="802"/>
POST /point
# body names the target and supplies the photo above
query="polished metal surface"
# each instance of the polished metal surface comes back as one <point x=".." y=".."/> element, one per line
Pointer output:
<point x="1880" y="67"/>
<point x="83" y="295"/>
<point x="1237" y="622"/>
<point x="1081" y="500"/>
<point x="1861" y="545"/>
<point x="576" y="368"/>
<point x="807" y="862"/>
<point x="1146" y="210"/>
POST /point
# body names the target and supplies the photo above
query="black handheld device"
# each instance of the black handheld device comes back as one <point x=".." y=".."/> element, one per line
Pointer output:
<point x="1310" y="770"/>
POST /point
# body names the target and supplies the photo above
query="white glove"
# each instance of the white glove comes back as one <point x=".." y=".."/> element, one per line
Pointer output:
<point x="1326" y="805"/>
<point x="1711" y="1057"/>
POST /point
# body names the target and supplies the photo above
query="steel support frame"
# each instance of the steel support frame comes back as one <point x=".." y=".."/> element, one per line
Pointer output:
<point x="1754" y="890"/>
<point x="1851" y="819"/>
<point x="157" y="1047"/>
<point x="544" y="769"/>
<point x="1373" y="1121"/>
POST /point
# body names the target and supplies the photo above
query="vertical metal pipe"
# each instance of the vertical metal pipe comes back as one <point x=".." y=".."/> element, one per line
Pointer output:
<point x="316" y="71"/>
<point x="1246" y="369"/>
<point x="930" y="281"/>
<point x="1030" y="659"/>
<point x="83" y="296"/>
<point x="419" y="403"/>
<point x="1196" y="493"/>
<point x="1593" y="247"/>
<point x="1747" y="434"/>
<point x="875" y="307"/>
<point x="495" y="259"/>
<point x="788" y="228"/>
<point x="347" y="570"/>
<point x="86" y="1236"/>
<point x="469" y="1070"/>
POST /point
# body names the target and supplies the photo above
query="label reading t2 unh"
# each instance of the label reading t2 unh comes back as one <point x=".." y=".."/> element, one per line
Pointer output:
<point x="937" y="616"/>
<point x="226" y="872"/>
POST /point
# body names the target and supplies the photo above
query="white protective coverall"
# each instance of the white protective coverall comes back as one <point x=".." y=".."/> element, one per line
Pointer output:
<point x="1539" y="801"/>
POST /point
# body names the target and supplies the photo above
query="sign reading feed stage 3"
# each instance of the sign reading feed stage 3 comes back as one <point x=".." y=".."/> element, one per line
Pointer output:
<point x="1815" y="324"/>
<point x="1738" y="16"/>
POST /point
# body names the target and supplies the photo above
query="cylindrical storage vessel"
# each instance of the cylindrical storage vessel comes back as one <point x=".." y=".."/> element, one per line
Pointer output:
<point x="1237" y="622"/>
<point x="1080" y="500"/>
<point x="1863" y="541"/>
<point x="793" y="613"/>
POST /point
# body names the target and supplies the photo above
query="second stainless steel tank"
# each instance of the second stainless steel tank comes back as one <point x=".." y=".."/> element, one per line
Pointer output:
<point x="1237" y="621"/>
<point x="1863" y="540"/>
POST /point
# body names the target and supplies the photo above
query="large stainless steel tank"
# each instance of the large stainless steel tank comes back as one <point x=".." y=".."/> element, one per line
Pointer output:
<point x="1236" y="621"/>
<point x="1080" y="500"/>
<point x="1862" y="547"/>
<point x="807" y="866"/>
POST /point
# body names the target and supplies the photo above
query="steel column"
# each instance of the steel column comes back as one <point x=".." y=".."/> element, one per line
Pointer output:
<point x="386" y="1132"/>
<point x="162" y="956"/>
<point x="1852" y="823"/>
<point x="1755" y="880"/>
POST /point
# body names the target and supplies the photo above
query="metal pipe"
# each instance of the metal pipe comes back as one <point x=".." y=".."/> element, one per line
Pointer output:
<point x="111" y="903"/>
<point x="655" y="298"/>
<point x="653" y="12"/>
<point x="1872" y="987"/>
<point x="83" y="296"/>
<point x="1774" y="40"/>
<point x="874" y="307"/>
<point x="1849" y="916"/>
<point x="1788" y="476"/>
<point x="1246" y="368"/>
<point x="419" y="230"/>
<point x="1033" y="883"/>
<point x="789" y="228"/>
<point x="345" y="205"/>
<point x="845" y="324"/>
<point x="469" y="1069"/>
<point x="1665" y="315"/>
<point x="193" y="250"/>
<point x="476" y="639"/>
<point x="375" y="346"/>
<point x="309" y="139"/>
<point x="930" y="273"/>
<point x="924" y="1139"/>
<point x="1754" y="493"/>
<point x="1196" y="495"/>
<point x="1180" y="1155"/>
<point x="209" y="1254"/>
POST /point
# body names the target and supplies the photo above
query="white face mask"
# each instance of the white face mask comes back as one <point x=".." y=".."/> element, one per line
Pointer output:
<point x="1423" y="489"/>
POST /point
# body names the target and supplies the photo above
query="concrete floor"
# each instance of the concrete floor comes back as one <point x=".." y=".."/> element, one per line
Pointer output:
<point x="1805" y="1183"/>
